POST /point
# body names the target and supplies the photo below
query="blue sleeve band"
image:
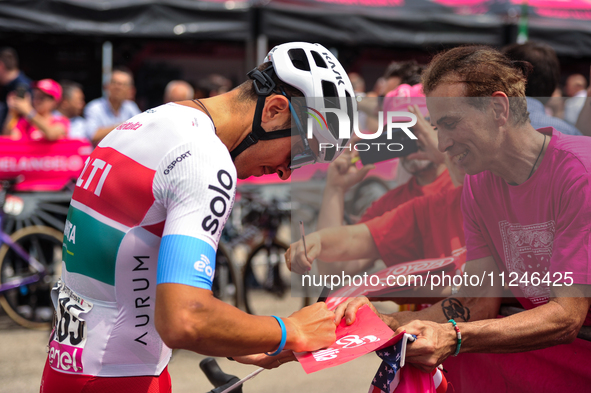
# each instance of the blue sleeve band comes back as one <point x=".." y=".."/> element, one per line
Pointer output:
<point x="186" y="260"/>
<point x="283" y="337"/>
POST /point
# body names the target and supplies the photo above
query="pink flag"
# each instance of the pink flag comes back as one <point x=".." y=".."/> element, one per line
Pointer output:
<point x="363" y="336"/>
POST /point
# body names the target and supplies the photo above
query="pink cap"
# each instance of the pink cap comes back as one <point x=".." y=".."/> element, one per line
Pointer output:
<point x="399" y="99"/>
<point x="50" y="87"/>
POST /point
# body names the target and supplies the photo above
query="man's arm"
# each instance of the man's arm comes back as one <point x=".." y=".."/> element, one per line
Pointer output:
<point x="341" y="176"/>
<point x="554" y="323"/>
<point x="331" y="245"/>
<point x="191" y="318"/>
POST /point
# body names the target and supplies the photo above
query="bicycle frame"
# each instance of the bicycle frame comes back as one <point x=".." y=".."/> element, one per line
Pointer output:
<point x="36" y="265"/>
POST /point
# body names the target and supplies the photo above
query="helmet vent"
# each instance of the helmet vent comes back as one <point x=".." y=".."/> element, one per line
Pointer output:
<point x="330" y="94"/>
<point x="319" y="60"/>
<point x="299" y="59"/>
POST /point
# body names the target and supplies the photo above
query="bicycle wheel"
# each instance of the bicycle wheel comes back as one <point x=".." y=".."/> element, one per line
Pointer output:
<point x="266" y="281"/>
<point x="30" y="305"/>
<point x="225" y="282"/>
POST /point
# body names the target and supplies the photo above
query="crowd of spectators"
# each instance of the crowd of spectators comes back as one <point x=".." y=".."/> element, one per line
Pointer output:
<point x="49" y="110"/>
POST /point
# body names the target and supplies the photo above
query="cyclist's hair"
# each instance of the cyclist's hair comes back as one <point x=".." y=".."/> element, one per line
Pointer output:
<point x="483" y="71"/>
<point x="124" y="70"/>
<point x="68" y="88"/>
<point x="248" y="93"/>
<point x="409" y="72"/>
<point x="9" y="57"/>
<point x="544" y="78"/>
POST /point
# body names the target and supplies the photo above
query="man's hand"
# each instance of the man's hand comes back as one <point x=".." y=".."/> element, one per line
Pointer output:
<point x="22" y="106"/>
<point x="314" y="327"/>
<point x="343" y="175"/>
<point x="426" y="139"/>
<point x="434" y="343"/>
<point x="266" y="361"/>
<point x="295" y="256"/>
<point x="348" y="309"/>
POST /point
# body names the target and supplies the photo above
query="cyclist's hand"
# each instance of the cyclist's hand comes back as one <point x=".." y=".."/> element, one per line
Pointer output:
<point x="267" y="361"/>
<point x="313" y="326"/>
<point x="434" y="343"/>
<point x="426" y="139"/>
<point x="348" y="309"/>
<point x="342" y="174"/>
<point x="295" y="256"/>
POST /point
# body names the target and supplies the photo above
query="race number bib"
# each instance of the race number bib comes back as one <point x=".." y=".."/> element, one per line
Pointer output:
<point x="69" y="332"/>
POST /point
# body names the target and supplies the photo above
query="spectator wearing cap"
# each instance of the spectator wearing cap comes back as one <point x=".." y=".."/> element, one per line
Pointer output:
<point x="11" y="77"/>
<point x="71" y="106"/>
<point x="35" y="118"/>
<point x="105" y="113"/>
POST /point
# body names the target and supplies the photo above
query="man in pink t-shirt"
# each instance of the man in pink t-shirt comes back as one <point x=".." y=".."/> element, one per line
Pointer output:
<point x="527" y="216"/>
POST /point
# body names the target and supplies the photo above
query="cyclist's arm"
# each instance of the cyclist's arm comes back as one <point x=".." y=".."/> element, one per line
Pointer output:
<point x="191" y="318"/>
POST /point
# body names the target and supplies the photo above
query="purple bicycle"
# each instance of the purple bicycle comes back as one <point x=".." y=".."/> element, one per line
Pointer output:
<point x="30" y="264"/>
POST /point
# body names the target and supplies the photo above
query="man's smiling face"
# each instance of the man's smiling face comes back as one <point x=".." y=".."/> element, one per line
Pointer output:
<point x="466" y="133"/>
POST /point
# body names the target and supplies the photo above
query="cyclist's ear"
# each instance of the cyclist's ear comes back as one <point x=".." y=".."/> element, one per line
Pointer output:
<point x="276" y="114"/>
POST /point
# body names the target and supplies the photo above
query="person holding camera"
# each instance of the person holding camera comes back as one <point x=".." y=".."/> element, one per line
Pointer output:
<point x="34" y="118"/>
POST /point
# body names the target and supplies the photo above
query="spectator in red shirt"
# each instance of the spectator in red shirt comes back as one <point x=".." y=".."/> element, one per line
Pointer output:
<point x="430" y="176"/>
<point x="35" y="118"/>
<point x="429" y="226"/>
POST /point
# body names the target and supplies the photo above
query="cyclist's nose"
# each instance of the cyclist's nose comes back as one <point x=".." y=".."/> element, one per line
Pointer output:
<point x="283" y="172"/>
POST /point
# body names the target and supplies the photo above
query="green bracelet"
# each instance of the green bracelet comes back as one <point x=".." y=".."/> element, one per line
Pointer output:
<point x="458" y="334"/>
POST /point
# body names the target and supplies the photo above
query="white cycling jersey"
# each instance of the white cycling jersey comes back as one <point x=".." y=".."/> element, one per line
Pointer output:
<point x="148" y="208"/>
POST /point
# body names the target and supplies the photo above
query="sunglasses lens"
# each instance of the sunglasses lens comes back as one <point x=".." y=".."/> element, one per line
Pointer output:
<point x="299" y="160"/>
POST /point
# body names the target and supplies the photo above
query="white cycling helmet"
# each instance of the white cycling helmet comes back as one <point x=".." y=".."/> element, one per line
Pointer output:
<point x="316" y="72"/>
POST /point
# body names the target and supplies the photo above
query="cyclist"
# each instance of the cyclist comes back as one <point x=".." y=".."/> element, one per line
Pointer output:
<point x="145" y="220"/>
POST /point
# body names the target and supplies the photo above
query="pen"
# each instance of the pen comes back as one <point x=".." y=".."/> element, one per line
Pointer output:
<point x="303" y="238"/>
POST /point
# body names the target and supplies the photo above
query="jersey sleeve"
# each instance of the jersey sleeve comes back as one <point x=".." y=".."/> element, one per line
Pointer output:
<point x="476" y="244"/>
<point x="396" y="234"/>
<point x="196" y="184"/>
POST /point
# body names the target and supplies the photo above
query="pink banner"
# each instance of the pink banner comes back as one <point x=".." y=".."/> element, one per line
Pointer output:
<point x="562" y="368"/>
<point x="367" y="334"/>
<point x="44" y="165"/>
<point x="387" y="280"/>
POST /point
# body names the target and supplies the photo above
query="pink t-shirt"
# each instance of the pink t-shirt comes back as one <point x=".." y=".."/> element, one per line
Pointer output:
<point x="542" y="225"/>
<point x="28" y="132"/>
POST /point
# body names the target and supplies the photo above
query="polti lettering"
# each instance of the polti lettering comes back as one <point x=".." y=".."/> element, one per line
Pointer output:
<point x="177" y="160"/>
<point x="141" y="284"/>
<point x="97" y="164"/>
<point x="218" y="204"/>
<point x="129" y="126"/>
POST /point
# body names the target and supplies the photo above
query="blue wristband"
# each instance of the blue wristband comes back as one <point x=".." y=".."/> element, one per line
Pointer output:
<point x="283" y="338"/>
